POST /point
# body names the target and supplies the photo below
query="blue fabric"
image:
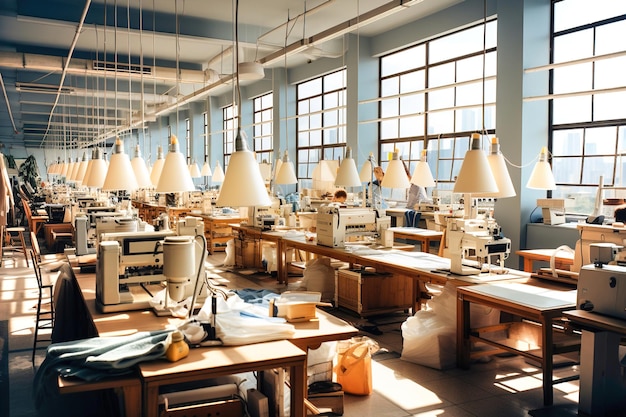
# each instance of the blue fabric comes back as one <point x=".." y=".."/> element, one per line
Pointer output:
<point x="412" y="218"/>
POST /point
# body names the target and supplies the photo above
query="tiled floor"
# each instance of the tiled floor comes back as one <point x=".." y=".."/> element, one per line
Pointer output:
<point x="504" y="386"/>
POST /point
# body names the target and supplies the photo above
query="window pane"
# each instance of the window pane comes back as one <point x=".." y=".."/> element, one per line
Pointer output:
<point x="573" y="46"/>
<point x="403" y="60"/>
<point x="573" y="78"/>
<point x="573" y="13"/>
<point x="566" y="170"/>
<point x="567" y="142"/>
<point x="390" y="86"/>
<point x="334" y="81"/>
<point x="441" y="122"/>
<point x="411" y="126"/>
<point x="572" y="109"/>
<point x="594" y="167"/>
<point x="441" y="75"/>
<point x="310" y="88"/>
<point x="388" y="129"/>
<point x="600" y="141"/>
<point x="389" y="107"/>
<point x="605" y="106"/>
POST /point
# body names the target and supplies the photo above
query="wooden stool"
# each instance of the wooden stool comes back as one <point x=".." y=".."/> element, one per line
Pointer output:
<point x="14" y="239"/>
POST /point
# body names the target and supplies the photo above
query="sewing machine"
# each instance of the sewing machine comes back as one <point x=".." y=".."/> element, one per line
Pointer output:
<point x="337" y="225"/>
<point x="596" y="233"/>
<point x="602" y="289"/>
<point x="477" y="240"/>
<point x="264" y="217"/>
<point x="128" y="261"/>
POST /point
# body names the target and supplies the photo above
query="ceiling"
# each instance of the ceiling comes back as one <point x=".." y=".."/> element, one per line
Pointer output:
<point x="56" y="93"/>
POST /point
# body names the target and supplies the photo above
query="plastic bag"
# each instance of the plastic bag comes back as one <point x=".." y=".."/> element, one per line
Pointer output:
<point x="319" y="276"/>
<point x="354" y="365"/>
<point x="230" y="253"/>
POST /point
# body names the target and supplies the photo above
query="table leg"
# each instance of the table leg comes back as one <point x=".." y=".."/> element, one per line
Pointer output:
<point x="547" y="360"/>
<point x="528" y="265"/>
<point x="132" y="400"/>
<point x="297" y="380"/>
<point x="463" y="344"/>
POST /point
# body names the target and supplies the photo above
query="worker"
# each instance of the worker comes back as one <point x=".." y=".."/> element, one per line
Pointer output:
<point x="620" y="214"/>
<point x="417" y="194"/>
<point x="340" y="196"/>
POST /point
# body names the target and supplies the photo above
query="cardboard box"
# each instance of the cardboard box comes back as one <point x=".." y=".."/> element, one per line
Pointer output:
<point x="369" y="293"/>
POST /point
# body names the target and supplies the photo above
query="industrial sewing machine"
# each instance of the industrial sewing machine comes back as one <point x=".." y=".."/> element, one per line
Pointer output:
<point x="335" y="225"/>
<point x="129" y="261"/>
<point x="602" y="289"/>
<point x="476" y="240"/>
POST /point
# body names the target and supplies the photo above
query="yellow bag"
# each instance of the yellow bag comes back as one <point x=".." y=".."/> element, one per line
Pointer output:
<point x="354" y="366"/>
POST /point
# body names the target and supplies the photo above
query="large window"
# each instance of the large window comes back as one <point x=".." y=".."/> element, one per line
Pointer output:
<point x="432" y="96"/>
<point x="263" y="145"/>
<point x="229" y="131"/>
<point x="321" y="127"/>
<point x="588" y="83"/>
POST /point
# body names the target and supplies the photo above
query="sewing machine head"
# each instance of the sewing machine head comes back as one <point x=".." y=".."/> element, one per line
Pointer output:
<point x="476" y="240"/>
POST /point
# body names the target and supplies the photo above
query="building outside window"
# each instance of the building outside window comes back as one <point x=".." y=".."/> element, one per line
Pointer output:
<point x="432" y="97"/>
<point x="262" y="128"/>
<point x="587" y="111"/>
<point x="321" y="123"/>
<point x="229" y="131"/>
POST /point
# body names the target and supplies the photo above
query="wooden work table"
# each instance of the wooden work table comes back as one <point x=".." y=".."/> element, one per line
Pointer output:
<point x="208" y="362"/>
<point x="536" y="301"/>
<point x="563" y="260"/>
<point x="421" y="267"/>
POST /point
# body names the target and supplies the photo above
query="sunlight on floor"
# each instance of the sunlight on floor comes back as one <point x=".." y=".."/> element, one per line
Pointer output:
<point x="388" y="384"/>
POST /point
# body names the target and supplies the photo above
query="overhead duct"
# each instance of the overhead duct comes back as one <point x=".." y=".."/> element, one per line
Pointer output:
<point x="47" y="63"/>
<point x="121" y="67"/>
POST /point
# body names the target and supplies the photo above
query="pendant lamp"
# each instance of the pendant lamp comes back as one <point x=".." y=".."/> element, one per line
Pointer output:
<point x="348" y="176"/>
<point x="140" y="169"/>
<point x="120" y="175"/>
<point x="286" y="174"/>
<point x="98" y="171"/>
<point x="396" y="176"/>
<point x="175" y="176"/>
<point x="541" y="177"/>
<point x="218" y="173"/>
<point x="421" y="174"/>
<point x="157" y="168"/>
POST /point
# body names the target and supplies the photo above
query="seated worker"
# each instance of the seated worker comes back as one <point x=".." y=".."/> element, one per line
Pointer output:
<point x="620" y="214"/>
<point x="340" y="196"/>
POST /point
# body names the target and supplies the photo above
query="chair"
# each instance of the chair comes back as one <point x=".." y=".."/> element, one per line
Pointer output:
<point x="35" y="223"/>
<point x="412" y="218"/>
<point x="13" y="240"/>
<point x="44" y="320"/>
<point x="51" y="261"/>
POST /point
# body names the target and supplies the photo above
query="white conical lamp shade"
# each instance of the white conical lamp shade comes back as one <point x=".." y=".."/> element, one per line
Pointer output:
<point x="475" y="175"/>
<point x="120" y="175"/>
<point x="97" y="172"/>
<point x="266" y="171"/>
<point x="421" y="174"/>
<point x="286" y="174"/>
<point x="277" y="165"/>
<point x="395" y="176"/>
<point x="541" y="177"/>
<point x="175" y="174"/>
<point x="140" y="170"/>
<point x="194" y="171"/>
<point x="157" y="168"/>
<point x="500" y="172"/>
<point x="73" y="171"/>
<point x="243" y="185"/>
<point x="82" y="170"/>
<point x="67" y="168"/>
<point x="206" y="170"/>
<point x="367" y="171"/>
<point x="218" y="173"/>
<point x="348" y="176"/>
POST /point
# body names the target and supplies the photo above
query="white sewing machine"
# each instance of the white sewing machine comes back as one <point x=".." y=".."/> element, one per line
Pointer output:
<point x="127" y="261"/>
<point x="337" y="225"/>
<point x="602" y="289"/>
<point x="476" y="240"/>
